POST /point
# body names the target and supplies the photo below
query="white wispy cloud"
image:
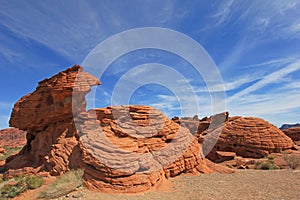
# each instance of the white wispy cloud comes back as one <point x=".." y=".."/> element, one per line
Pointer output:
<point x="74" y="29"/>
<point x="172" y="106"/>
<point x="228" y="85"/>
<point x="269" y="106"/>
<point x="235" y="54"/>
<point x="273" y="62"/>
<point x="291" y="86"/>
<point x="58" y="27"/>
<point x="273" y="19"/>
<point x="223" y="12"/>
<point x="271" y="78"/>
<point x="295" y="28"/>
<point x="9" y="54"/>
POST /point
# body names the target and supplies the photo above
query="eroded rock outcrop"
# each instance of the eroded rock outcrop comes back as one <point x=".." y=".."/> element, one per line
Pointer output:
<point x="12" y="137"/>
<point x="197" y="127"/>
<point x="135" y="147"/>
<point x="248" y="137"/>
<point x="122" y="148"/>
<point x="47" y="116"/>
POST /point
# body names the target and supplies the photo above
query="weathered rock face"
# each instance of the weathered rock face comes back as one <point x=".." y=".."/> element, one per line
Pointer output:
<point x="53" y="99"/>
<point x="47" y="116"/>
<point x="197" y="127"/>
<point x="293" y="133"/>
<point x="248" y="137"/>
<point x="12" y="137"/>
<point x="134" y="147"/>
<point x="123" y="148"/>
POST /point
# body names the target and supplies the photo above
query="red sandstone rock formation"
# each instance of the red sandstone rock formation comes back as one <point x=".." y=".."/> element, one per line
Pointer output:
<point x="245" y="136"/>
<point x="248" y="137"/>
<point x="47" y="116"/>
<point x="124" y="148"/>
<point x="12" y="137"/>
<point x="135" y="147"/>
<point x="197" y="127"/>
<point x="293" y="133"/>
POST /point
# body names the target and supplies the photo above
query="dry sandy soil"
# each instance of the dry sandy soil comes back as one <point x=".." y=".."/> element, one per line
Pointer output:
<point x="247" y="184"/>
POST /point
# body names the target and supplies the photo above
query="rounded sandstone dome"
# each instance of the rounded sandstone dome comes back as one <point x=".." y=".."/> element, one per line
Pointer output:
<point x="249" y="137"/>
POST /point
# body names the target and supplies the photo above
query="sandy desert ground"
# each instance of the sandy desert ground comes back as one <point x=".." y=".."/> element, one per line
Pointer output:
<point x="244" y="184"/>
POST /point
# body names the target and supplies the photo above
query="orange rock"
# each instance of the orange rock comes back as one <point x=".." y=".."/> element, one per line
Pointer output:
<point x="134" y="146"/>
<point x="120" y="148"/>
<point x="224" y="156"/>
<point x="248" y="137"/>
<point x="245" y="136"/>
<point x="53" y="99"/>
<point x="47" y="116"/>
<point x="293" y="133"/>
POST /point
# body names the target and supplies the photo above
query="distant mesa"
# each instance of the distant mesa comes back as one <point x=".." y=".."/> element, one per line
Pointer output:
<point x="286" y="126"/>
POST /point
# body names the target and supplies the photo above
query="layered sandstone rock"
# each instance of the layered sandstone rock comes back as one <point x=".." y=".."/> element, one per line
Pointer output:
<point x="12" y="137"/>
<point x="134" y="147"/>
<point x="47" y="116"/>
<point x="197" y="127"/>
<point x="248" y="137"/>
<point x="245" y="136"/>
<point x="53" y="99"/>
<point x="293" y="133"/>
<point x="123" y="148"/>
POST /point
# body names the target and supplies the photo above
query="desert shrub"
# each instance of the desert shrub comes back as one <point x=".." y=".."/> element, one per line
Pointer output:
<point x="13" y="187"/>
<point x="230" y="166"/>
<point x="271" y="158"/>
<point x="266" y="165"/>
<point x="292" y="160"/>
<point x="63" y="185"/>
<point x="9" y="152"/>
<point x="34" y="182"/>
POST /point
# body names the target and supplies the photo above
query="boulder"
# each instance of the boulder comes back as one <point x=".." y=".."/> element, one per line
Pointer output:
<point x="222" y="156"/>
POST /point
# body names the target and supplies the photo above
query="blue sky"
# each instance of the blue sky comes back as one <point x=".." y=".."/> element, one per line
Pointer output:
<point x="255" y="45"/>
